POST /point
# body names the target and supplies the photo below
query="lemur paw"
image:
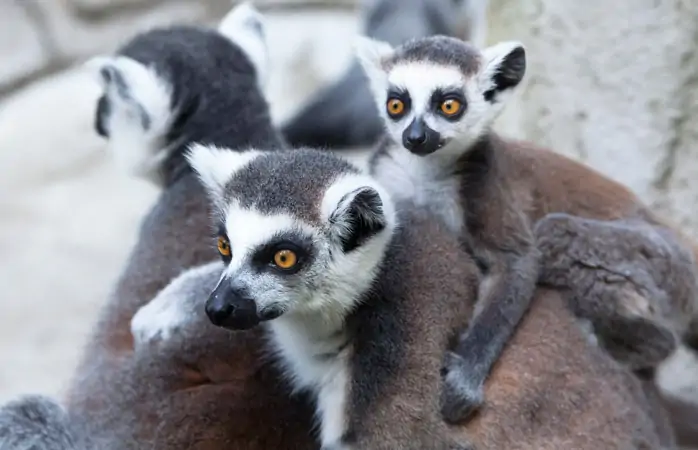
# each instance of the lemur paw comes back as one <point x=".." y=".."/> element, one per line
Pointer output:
<point x="462" y="394"/>
<point x="158" y="320"/>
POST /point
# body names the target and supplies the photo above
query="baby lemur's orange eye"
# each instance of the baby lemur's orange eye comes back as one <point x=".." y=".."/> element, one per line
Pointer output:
<point x="395" y="106"/>
<point x="450" y="106"/>
<point x="223" y="246"/>
<point x="285" y="259"/>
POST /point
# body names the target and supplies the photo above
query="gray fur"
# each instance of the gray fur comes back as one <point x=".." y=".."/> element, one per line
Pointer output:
<point x="440" y="51"/>
<point x="342" y="114"/>
<point x="298" y="177"/>
<point x="625" y="288"/>
<point x="38" y="423"/>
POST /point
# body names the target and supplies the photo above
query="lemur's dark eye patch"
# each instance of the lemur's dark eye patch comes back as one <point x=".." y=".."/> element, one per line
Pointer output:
<point x="449" y="103"/>
<point x="398" y="103"/>
<point x="285" y="253"/>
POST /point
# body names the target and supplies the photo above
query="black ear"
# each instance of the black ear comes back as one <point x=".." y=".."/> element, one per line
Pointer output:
<point x="358" y="217"/>
<point x="504" y="68"/>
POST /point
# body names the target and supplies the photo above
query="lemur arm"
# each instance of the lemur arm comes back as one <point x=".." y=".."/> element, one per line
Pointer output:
<point x="513" y="275"/>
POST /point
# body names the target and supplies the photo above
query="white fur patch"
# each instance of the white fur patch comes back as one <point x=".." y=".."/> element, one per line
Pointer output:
<point x="216" y="165"/>
<point x="172" y="308"/>
<point x="137" y="150"/>
<point x="425" y="181"/>
<point x="305" y="344"/>
<point x="244" y="26"/>
<point x="332" y="402"/>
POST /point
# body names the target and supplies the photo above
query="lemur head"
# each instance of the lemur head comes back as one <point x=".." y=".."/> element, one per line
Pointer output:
<point x="160" y="84"/>
<point x="440" y="93"/>
<point x="301" y="233"/>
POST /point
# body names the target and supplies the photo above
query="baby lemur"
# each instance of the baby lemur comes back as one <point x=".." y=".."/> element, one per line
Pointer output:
<point x="439" y="97"/>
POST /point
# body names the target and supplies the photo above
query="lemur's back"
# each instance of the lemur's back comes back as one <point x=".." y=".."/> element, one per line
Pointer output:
<point x="551" y="388"/>
<point x="557" y="183"/>
<point x="424" y="295"/>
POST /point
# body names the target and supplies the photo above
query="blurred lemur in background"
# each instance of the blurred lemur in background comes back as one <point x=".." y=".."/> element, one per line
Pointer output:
<point x="163" y="89"/>
<point x="343" y="114"/>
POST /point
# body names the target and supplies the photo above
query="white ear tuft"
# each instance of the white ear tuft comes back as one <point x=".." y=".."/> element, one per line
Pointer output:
<point x="244" y="26"/>
<point x="216" y="166"/>
<point x="504" y="67"/>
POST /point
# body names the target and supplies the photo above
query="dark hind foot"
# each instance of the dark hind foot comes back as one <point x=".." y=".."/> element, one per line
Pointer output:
<point x="462" y="394"/>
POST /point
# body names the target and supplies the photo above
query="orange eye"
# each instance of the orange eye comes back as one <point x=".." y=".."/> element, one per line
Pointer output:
<point x="450" y="106"/>
<point x="285" y="259"/>
<point x="395" y="106"/>
<point x="223" y="246"/>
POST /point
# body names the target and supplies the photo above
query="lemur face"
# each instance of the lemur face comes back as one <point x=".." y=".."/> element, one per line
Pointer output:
<point x="300" y="232"/>
<point x="440" y="93"/>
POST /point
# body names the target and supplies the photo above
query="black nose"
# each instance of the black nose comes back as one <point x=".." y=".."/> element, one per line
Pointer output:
<point x="414" y="136"/>
<point x="419" y="139"/>
<point x="232" y="309"/>
<point x="218" y="309"/>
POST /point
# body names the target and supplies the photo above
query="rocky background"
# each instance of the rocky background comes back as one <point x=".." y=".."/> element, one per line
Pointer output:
<point x="614" y="84"/>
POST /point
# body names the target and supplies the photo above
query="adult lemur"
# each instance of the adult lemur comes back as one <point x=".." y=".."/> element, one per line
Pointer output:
<point x="630" y="275"/>
<point x="359" y="300"/>
<point x="342" y="114"/>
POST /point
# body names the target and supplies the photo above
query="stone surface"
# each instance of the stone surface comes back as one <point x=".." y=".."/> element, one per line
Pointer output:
<point x="614" y="85"/>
